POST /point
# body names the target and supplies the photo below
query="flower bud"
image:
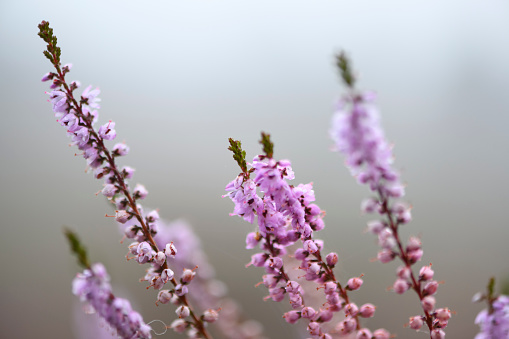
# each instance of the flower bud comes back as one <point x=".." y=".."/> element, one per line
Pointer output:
<point x="210" y="315"/>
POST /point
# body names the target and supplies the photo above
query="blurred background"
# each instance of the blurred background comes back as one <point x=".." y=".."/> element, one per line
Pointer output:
<point x="180" y="77"/>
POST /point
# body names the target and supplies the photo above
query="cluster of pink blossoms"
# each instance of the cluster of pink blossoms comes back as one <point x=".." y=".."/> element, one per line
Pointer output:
<point x="93" y="287"/>
<point x="286" y="215"/>
<point x="358" y="134"/>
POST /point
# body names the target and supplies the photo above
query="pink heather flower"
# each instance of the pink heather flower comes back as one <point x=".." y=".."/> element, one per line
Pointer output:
<point x="179" y="325"/>
<point x="401" y="286"/>
<point x="351" y="309"/>
<point x="187" y="275"/>
<point x="210" y="315"/>
<point x="430" y="288"/>
<point x="122" y="216"/>
<point x="426" y="273"/>
<point x="332" y="259"/>
<point x="183" y="311"/>
<point x="437" y="334"/>
<point x="381" y="334"/>
<point x="252" y="239"/>
<point x="367" y="310"/>
<point x="314" y="328"/>
<point x="292" y="316"/>
<point x="93" y="286"/>
<point x="127" y="172"/>
<point x="308" y="312"/>
<point x="369" y="205"/>
<point x="107" y="131"/>
<point x="376" y="226"/>
<point x="140" y="192"/>
<point x="386" y="255"/>
<point x="364" y="333"/>
<point x="428" y="303"/>
<point x="170" y="250"/>
<point x="90" y="97"/>
<point x="109" y="190"/>
<point x="47" y="76"/>
<point x="120" y="149"/>
<point x="416" y="322"/>
<point x="354" y="283"/>
<point x="164" y="296"/>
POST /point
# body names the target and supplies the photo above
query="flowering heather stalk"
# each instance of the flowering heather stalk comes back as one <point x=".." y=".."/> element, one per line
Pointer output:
<point x="285" y="214"/>
<point x="357" y="133"/>
<point x="78" y="118"/>
<point x="93" y="287"/>
<point x="493" y="321"/>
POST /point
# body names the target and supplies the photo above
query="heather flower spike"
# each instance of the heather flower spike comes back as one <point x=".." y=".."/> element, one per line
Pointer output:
<point x="78" y="117"/>
<point x="286" y="215"/>
<point x="357" y="133"/>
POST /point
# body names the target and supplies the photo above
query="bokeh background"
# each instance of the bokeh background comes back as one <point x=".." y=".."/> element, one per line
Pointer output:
<point x="180" y="77"/>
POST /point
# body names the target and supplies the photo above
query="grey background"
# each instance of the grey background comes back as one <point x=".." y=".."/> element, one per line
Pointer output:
<point x="180" y="77"/>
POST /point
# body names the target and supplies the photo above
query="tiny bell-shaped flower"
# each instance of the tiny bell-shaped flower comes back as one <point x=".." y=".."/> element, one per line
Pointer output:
<point x="381" y="333"/>
<point x="210" y="315"/>
<point x="164" y="296"/>
<point x="364" y="333"/>
<point x="120" y="149"/>
<point x="428" y="303"/>
<point x="181" y="290"/>
<point x="167" y="274"/>
<point x="308" y="312"/>
<point x="122" y="216"/>
<point x="367" y="310"/>
<point x="351" y="309"/>
<point x="400" y="286"/>
<point x="354" y="284"/>
<point x="187" y="275"/>
<point x="332" y="259"/>
<point x="426" y="273"/>
<point x="160" y="258"/>
<point x="170" y="250"/>
<point x="292" y="316"/>
<point x="179" y="325"/>
<point x="109" y="190"/>
<point x="183" y="311"/>
<point x="140" y="192"/>
<point x="416" y="322"/>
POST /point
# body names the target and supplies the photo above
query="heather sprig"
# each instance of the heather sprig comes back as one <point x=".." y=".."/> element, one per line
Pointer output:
<point x="285" y="215"/>
<point x="494" y="320"/>
<point x="93" y="287"/>
<point x="357" y="133"/>
<point x="78" y="117"/>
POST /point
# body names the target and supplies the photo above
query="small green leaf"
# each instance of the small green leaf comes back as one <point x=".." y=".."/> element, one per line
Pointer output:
<point x="345" y="70"/>
<point x="239" y="155"/>
<point x="77" y="248"/>
<point x="268" y="146"/>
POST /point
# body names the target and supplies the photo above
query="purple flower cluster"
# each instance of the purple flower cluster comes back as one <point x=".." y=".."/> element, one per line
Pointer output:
<point x="494" y="322"/>
<point x="358" y="134"/>
<point x="286" y="214"/>
<point x="93" y="287"/>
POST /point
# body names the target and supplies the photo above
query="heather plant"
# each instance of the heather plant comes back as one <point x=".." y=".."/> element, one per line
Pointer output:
<point x="297" y="268"/>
